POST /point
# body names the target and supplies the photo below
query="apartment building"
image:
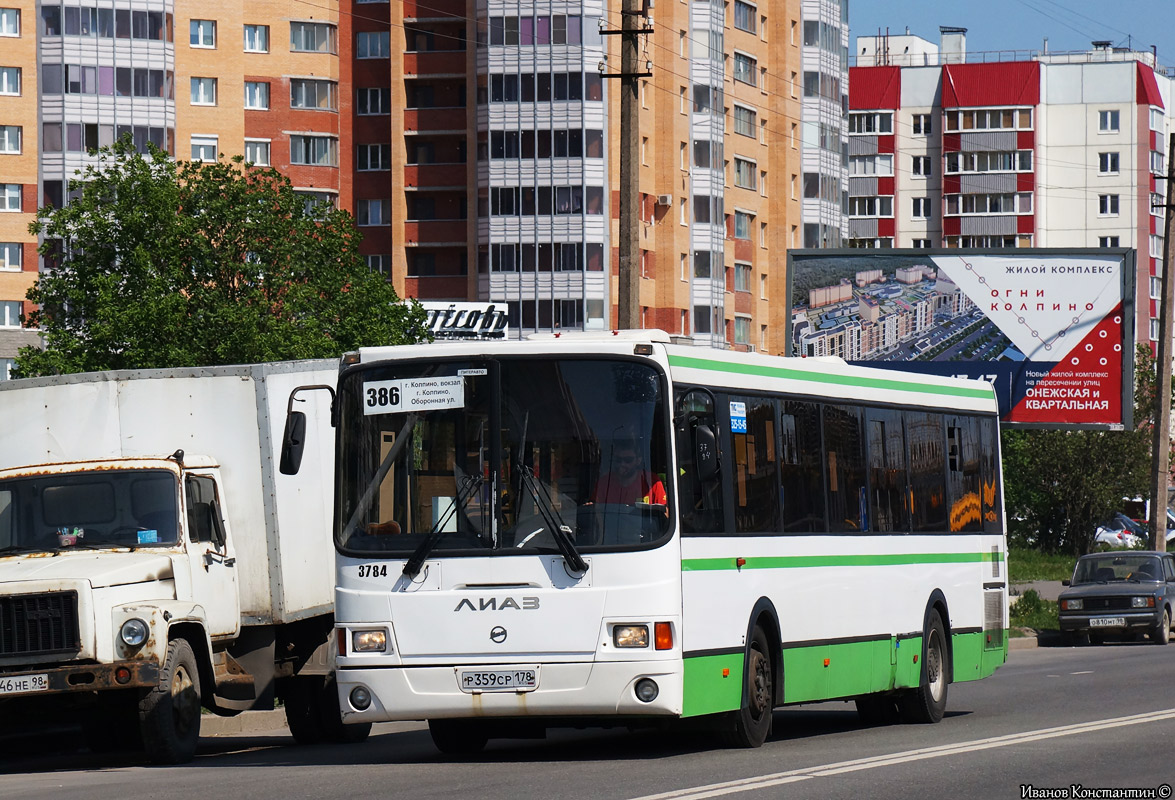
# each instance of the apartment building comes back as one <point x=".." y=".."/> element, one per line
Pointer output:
<point x="475" y="142"/>
<point x="1059" y="150"/>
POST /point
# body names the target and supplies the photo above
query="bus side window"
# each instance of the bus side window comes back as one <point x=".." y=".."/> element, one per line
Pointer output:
<point x="699" y="483"/>
<point x="926" y="443"/>
<point x="801" y="468"/>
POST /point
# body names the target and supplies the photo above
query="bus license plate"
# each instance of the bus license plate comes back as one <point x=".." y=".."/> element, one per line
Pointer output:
<point x="1107" y="622"/>
<point x="21" y="684"/>
<point x="498" y="680"/>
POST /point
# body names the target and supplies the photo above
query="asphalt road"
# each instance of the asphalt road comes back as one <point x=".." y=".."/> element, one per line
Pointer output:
<point x="1052" y="717"/>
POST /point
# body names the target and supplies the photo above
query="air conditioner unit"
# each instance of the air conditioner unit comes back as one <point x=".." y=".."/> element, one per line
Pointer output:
<point x="664" y="199"/>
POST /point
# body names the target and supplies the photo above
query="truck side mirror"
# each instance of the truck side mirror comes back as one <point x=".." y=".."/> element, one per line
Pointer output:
<point x="293" y="443"/>
<point x="705" y="453"/>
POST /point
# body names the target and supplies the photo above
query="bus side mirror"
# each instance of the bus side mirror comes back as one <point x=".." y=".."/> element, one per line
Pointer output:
<point x="705" y="453"/>
<point x="293" y="443"/>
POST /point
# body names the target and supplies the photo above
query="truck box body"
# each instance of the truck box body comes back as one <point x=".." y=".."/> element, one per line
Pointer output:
<point x="280" y="524"/>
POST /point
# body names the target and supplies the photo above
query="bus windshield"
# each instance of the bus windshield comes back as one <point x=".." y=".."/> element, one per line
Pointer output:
<point x="502" y="455"/>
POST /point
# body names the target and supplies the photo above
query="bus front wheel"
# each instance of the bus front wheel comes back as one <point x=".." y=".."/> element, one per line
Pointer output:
<point x="928" y="702"/>
<point x="752" y="722"/>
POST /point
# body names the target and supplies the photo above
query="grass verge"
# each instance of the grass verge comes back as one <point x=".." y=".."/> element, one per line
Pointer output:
<point x="1032" y="565"/>
<point x="1031" y="611"/>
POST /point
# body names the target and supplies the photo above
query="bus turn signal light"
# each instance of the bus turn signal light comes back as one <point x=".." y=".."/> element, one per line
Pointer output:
<point x="663" y="635"/>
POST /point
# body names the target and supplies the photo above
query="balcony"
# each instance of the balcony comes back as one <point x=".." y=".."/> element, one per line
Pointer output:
<point x="436" y="231"/>
<point x="432" y="120"/>
<point x="434" y="62"/>
<point x="433" y="9"/>
<point x="438" y="175"/>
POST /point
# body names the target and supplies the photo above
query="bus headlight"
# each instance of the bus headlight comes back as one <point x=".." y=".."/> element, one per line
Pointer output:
<point x="133" y="632"/>
<point x="631" y="635"/>
<point x="369" y="641"/>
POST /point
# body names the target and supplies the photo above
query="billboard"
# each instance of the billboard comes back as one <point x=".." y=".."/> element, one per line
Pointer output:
<point x="1052" y="329"/>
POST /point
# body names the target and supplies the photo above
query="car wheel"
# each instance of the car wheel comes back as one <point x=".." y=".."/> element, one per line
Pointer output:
<point x="1162" y="634"/>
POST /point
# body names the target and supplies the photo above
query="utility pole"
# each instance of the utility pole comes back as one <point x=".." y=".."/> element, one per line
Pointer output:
<point x="631" y="29"/>
<point x="1161" y="441"/>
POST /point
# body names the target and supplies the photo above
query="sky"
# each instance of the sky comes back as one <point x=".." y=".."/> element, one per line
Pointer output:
<point x="1024" y="24"/>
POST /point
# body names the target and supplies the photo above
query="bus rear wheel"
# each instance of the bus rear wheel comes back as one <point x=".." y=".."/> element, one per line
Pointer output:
<point x="458" y="737"/>
<point x="928" y="702"/>
<point x="752" y="722"/>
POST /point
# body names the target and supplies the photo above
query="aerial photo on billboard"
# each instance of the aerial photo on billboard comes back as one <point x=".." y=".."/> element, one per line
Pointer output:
<point x="1050" y="329"/>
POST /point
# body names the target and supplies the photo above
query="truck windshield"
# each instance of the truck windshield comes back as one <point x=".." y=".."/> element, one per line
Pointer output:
<point x="107" y="508"/>
<point x="502" y="455"/>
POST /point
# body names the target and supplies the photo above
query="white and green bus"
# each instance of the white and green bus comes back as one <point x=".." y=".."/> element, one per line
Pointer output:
<point x="615" y="529"/>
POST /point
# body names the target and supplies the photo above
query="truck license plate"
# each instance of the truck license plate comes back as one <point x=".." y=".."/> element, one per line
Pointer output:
<point x="20" y="684"/>
<point x="498" y="680"/>
<point x="1107" y="622"/>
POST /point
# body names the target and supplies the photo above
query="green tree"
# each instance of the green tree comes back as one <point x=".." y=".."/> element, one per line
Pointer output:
<point x="1059" y="485"/>
<point x="159" y="263"/>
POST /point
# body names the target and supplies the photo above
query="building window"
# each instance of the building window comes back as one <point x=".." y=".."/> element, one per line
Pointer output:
<point x="1107" y="121"/>
<point x="11" y="255"/>
<point x="1156" y="287"/>
<point x="373" y="44"/>
<point x="922" y="125"/>
<point x="871" y="122"/>
<point x="921" y="244"/>
<point x="320" y="151"/>
<point x="744" y="173"/>
<point x="744" y="121"/>
<point x="373" y="212"/>
<point x="256" y="38"/>
<point x="1107" y="163"/>
<point x="369" y="102"/>
<point x="313" y="94"/>
<point x="257" y="152"/>
<point x="203" y="91"/>
<point x="316" y="205"/>
<point x="381" y="263"/>
<point x="313" y="37"/>
<point x="1107" y="205"/>
<point x="9" y="22"/>
<point x="10" y="139"/>
<point x="881" y="206"/>
<point x="742" y="277"/>
<point x="881" y="164"/>
<point x="9" y="197"/>
<point x="921" y="166"/>
<point x="1154" y="330"/>
<point x="742" y="330"/>
<point x="374" y="157"/>
<point x="1009" y="161"/>
<point x="1008" y="119"/>
<point x="10" y="80"/>
<point x="204" y="148"/>
<point x="257" y="95"/>
<point x="702" y="317"/>
<point x="10" y="313"/>
<point x="745" y="69"/>
<point x="744" y="16"/>
<point x="203" y="32"/>
<point x="921" y="207"/>
<point x="742" y="224"/>
<point x="1111" y="241"/>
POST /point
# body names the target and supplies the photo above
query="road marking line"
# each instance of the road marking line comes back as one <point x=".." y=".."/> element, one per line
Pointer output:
<point x="1083" y="672"/>
<point x="872" y="762"/>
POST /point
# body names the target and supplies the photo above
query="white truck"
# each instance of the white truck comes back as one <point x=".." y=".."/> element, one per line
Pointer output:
<point x="154" y="559"/>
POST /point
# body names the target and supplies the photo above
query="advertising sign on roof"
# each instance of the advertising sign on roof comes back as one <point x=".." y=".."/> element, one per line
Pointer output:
<point x="1052" y="330"/>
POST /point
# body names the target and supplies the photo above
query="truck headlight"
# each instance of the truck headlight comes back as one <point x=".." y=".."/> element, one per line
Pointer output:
<point x="133" y="632"/>
<point x="631" y="635"/>
<point x="369" y="641"/>
<point x="1142" y="602"/>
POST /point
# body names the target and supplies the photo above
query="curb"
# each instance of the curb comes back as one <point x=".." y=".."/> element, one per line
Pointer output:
<point x="245" y="722"/>
<point x="1023" y="643"/>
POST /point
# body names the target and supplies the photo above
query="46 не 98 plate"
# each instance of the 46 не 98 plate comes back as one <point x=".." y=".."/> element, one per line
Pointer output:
<point x="497" y="680"/>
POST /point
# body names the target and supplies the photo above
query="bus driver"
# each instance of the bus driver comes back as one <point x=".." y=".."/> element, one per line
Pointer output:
<point x="629" y="483"/>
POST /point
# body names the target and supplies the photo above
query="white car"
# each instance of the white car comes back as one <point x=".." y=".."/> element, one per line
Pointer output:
<point x="1122" y="531"/>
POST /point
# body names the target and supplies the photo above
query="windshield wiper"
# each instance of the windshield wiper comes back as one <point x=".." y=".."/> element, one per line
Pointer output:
<point x="560" y="532"/>
<point x="469" y="485"/>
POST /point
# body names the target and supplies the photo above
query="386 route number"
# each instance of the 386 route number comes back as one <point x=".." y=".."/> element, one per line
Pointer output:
<point x="383" y="396"/>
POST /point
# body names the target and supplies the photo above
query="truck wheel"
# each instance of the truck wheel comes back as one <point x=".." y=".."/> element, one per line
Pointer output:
<point x="752" y="722"/>
<point x="301" y="697"/>
<point x="169" y="714"/>
<point x="332" y="719"/>
<point x="928" y="702"/>
<point x="458" y="737"/>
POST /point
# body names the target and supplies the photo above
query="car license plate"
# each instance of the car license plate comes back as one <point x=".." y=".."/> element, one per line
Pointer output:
<point x="20" y="684"/>
<point x="473" y="681"/>
<point x="1107" y="622"/>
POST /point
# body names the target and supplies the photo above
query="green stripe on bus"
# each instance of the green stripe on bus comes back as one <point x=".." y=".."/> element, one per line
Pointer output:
<point x="878" y="560"/>
<point x="765" y="371"/>
<point x="825" y="672"/>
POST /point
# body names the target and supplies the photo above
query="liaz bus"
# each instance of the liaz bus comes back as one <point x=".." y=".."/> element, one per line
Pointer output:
<point x="615" y="529"/>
